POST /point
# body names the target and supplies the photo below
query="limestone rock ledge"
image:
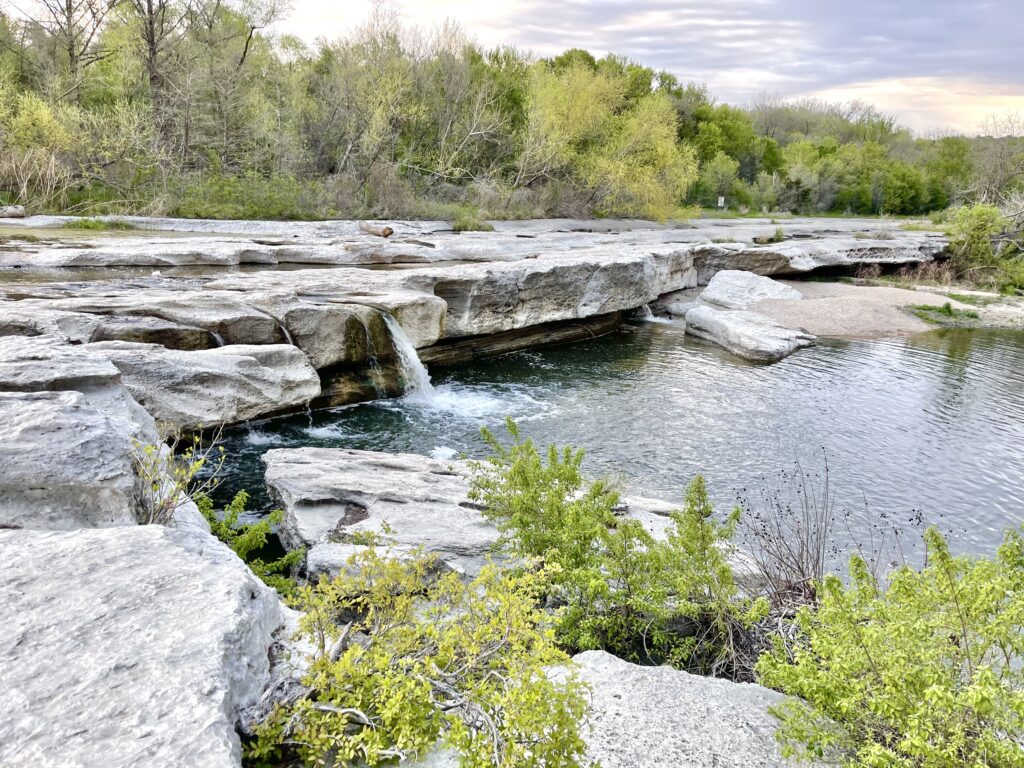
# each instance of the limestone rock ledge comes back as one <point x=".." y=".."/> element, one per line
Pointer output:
<point x="328" y="494"/>
<point x="128" y="647"/>
<point x="659" y="717"/>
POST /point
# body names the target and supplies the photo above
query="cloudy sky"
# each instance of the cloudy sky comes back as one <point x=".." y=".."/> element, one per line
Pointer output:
<point x="936" y="64"/>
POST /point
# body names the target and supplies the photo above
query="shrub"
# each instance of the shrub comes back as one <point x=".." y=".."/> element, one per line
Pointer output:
<point x="925" y="672"/>
<point x="403" y="658"/>
<point x="249" y="541"/>
<point x="469" y="220"/>
<point x="970" y="235"/>
<point x="776" y="237"/>
<point x="619" y="588"/>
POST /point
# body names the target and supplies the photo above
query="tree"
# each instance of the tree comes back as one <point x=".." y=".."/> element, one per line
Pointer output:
<point x="74" y="26"/>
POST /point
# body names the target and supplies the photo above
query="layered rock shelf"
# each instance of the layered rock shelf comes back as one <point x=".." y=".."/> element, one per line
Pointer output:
<point x="127" y="644"/>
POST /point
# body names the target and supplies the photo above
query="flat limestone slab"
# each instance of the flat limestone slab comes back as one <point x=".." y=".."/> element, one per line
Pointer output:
<point x="328" y="494"/>
<point x="736" y="289"/>
<point x="204" y="388"/>
<point x="128" y="647"/>
<point x="746" y="334"/>
<point x="659" y="717"/>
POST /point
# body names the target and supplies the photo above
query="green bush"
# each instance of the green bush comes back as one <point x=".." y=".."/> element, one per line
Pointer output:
<point x="971" y="230"/>
<point x="925" y="672"/>
<point x="404" y="658"/>
<point x="973" y="233"/>
<point x="249" y="540"/>
<point x="619" y="588"/>
<point x="469" y="220"/>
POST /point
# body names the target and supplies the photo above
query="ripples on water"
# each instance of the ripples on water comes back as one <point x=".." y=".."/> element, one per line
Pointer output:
<point x="933" y="424"/>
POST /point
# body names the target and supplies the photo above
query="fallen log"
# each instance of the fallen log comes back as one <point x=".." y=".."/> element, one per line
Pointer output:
<point x="369" y="229"/>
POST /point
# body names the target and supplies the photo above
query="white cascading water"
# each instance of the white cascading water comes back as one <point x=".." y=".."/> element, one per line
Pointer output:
<point x="417" y="379"/>
<point x="645" y="314"/>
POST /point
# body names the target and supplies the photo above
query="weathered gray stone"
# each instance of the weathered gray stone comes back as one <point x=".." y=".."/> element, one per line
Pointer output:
<point x="153" y="330"/>
<point x="128" y="647"/>
<point x="659" y="717"/>
<point x="189" y="390"/>
<point x="50" y="364"/>
<point x="12" y="211"/>
<point x="63" y="464"/>
<point x="735" y="289"/>
<point x="23" y="318"/>
<point x="328" y="494"/>
<point x="746" y="334"/>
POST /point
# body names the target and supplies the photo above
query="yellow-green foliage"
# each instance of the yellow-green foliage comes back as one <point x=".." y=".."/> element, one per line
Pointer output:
<point x="405" y="657"/>
<point x="927" y="672"/>
<point x="640" y="170"/>
<point x="247" y="540"/>
<point x="622" y="590"/>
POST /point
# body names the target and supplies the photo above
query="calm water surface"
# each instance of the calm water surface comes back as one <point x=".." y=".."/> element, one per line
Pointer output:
<point x="928" y="427"/>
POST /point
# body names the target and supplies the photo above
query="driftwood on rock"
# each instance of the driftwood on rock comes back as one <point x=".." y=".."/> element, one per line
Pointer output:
<point x="12" y="212"/>
<point x="369" y="229"/>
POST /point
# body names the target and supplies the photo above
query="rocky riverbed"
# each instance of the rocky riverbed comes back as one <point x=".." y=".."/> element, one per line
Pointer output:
<point x="125" y="644"/>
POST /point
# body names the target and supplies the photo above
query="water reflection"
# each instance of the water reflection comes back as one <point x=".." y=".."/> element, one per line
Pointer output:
<point x="932" y="425"/>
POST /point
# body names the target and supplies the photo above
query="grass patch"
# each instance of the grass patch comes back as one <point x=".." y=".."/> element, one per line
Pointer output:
<point x="776" y="237"/>
<point x="880" y="234"/>
<point x="99" y="225"/>
<point x="468" y="220"/>
<point x="977" y="301"/>
<point x="945" y="315"/>
<point x="922" y="226"/>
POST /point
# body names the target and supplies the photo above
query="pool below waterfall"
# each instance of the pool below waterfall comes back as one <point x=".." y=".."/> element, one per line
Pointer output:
<point x="925" y="429"/>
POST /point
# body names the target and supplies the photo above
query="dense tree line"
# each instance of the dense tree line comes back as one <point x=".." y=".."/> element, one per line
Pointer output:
<point x="192" y="107"/>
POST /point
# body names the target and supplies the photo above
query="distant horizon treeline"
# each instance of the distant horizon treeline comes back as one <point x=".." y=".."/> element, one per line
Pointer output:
<point x="192" y="108"/>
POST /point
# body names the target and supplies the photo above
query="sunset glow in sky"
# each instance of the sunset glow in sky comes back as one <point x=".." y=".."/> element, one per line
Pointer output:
<point x="937" y="65"/>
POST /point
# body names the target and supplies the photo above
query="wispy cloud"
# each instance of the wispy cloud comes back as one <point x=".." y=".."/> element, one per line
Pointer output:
<point x="904" y="55"/>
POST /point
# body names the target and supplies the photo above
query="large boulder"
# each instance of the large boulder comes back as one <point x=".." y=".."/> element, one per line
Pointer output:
<point x="128" y="647"/>
<point x="189" y="390"/>
<point x="12" y="212"/>
<point x="64" y="464"/>
<point x="746" y="334"/>
<point x="736" y="289"/>
<point x="659" y="717"/>
<point x="328" y="494"/>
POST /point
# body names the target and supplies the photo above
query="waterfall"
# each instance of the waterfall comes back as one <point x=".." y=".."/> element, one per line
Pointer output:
<point x="417" y="380"/>
<point x="645" y="314"/>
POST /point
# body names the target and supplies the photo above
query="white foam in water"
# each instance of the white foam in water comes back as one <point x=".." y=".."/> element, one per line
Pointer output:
<point x="326" y="432"/>
<point x="416" y="376"/>
<point x="259" y="437"/>
<point x="443" y="453"/>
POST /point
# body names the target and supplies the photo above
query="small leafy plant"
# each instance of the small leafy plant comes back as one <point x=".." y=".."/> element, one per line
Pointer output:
<point x="405" y="658"/>
<point x="249" y="540"/>
<point x="926" y="671"/>
<point x="620" y="588"/>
